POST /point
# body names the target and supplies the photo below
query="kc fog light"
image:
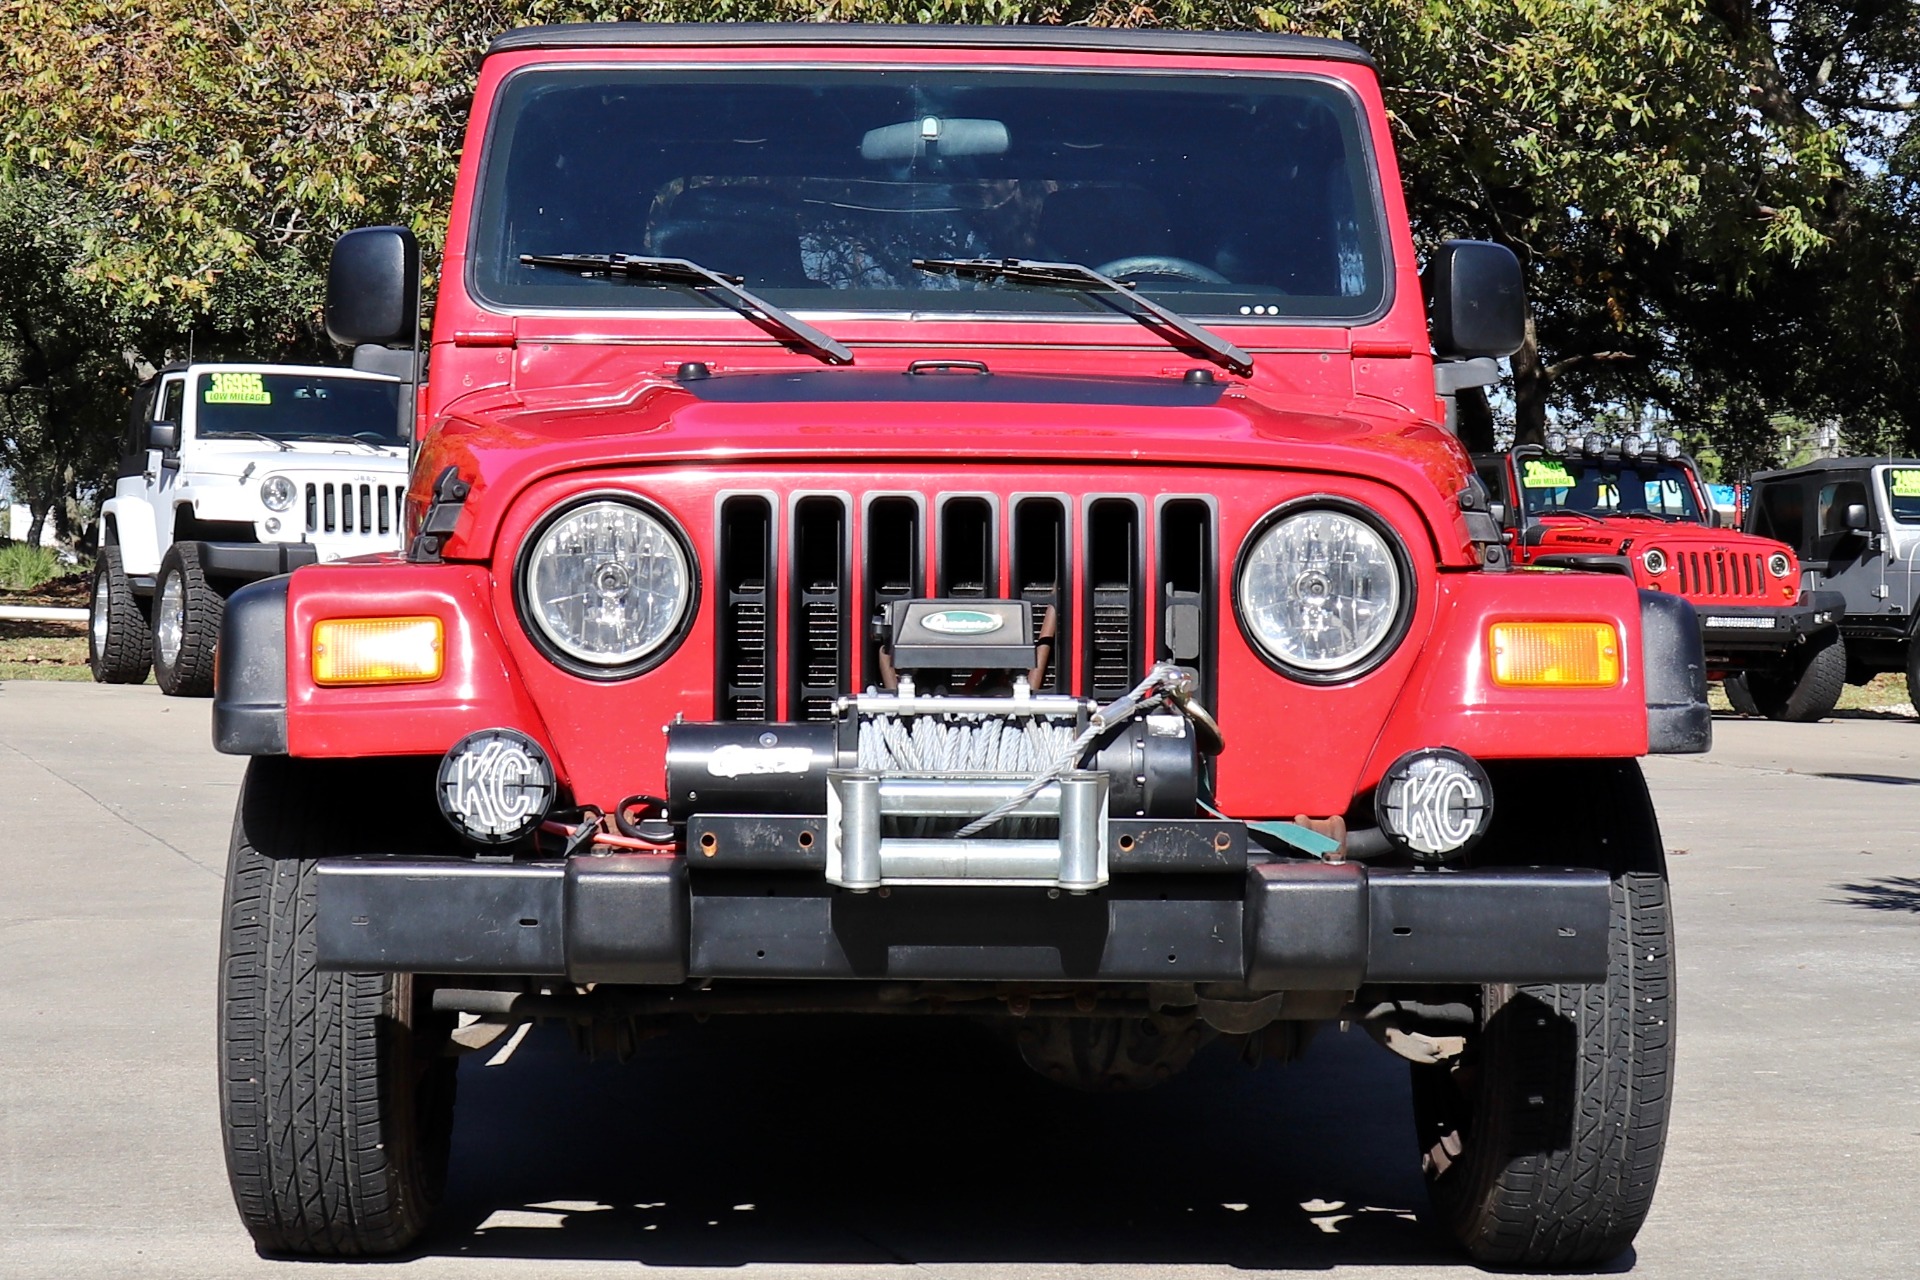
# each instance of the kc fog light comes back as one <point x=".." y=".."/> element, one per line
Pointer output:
<point x="1434" y="803"/>
<point x="495" y="786"/>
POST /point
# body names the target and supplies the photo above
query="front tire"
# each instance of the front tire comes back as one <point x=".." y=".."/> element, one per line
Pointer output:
<point x="186" y="624"/>
<point x="336" y="1094"/>
<point x="1810" y="689"/>
<point x="119" y="642"/>
<point x="1542" y="1142"/>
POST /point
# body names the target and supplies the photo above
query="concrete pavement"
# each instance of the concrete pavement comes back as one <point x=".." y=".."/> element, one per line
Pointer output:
<point x="834" y="1149"/>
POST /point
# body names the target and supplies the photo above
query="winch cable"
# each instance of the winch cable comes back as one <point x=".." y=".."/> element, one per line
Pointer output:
<point x="1165" y="677"/>
<point x="925" y="744"/>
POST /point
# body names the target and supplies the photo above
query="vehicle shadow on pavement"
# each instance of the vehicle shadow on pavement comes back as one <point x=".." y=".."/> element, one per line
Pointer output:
<point x="925" y="1141"/>
<point x="1889" y="893"/>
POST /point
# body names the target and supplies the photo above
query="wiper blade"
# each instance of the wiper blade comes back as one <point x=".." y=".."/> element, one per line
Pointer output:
<point x="624" y="266"/>
<point x="327" y="439"/>
<point x="249" y="435"/>
<point x="1074" y="275"/>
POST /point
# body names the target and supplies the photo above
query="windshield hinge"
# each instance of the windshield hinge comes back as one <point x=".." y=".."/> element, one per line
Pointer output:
<point x="449" y="496"/>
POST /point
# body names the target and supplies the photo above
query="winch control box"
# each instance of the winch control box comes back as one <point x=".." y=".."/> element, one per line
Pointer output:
<point x="961" y="635"/>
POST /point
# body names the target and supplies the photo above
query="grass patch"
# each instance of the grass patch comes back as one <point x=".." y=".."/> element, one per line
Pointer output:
<point x="43" y="651"/>
<point x="24" y="567"/>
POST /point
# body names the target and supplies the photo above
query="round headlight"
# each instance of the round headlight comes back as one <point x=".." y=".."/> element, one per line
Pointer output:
<point x="606" y="583"/>
<point x="276" y="492"/>
<point x="1655" y="559"/>
<point x="1321" y="591"/>
<point x="1778" y="565"/>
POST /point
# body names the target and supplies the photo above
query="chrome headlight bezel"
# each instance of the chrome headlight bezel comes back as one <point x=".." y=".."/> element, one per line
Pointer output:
<point x="1408" y="582"/>
<point x="550" y="646"/>
<point x="277" y="484"/>
<point x="1655" y="561"/>
<point x="1779" y="564"/>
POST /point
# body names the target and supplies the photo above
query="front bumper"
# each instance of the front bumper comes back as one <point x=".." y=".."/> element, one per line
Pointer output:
<point x="640" y="918"/>
<point x="1740" y="636"/>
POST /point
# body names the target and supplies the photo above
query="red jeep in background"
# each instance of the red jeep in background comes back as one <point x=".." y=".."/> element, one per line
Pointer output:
<point x="951" y="520"/>
<point x="1636" y="505"/>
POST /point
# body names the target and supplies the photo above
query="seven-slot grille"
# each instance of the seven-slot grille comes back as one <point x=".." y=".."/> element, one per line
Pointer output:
<point x="1720" y="574"/>
<point x="353" y="508"/>
<point x="796" y="598"/>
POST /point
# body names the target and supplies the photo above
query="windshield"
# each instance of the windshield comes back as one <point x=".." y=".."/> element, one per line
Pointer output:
<point x="1664" y="489"/>
<point x="1244" y="196"/>
<point x="1903" y="493"/>
<point x="290" y="406"/>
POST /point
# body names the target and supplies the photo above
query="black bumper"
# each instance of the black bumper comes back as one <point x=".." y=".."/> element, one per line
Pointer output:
<point x="252" y="561"/>
<point x="1746" y="635"/>
<point x="641" y="919"/>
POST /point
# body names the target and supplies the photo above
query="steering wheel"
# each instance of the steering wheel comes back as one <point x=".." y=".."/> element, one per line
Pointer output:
<point x="1161" y="264"/>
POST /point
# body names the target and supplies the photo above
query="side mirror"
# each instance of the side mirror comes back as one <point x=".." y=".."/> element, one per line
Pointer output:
<point x="164" y="436"/>
<point x="1478" y="300"/>
<point x="1856" y="517"/>
<point x="1498" y="510"/>
<point x="373" y="287"/>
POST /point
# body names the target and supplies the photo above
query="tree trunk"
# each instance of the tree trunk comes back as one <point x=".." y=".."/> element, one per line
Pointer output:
<point x="1530" y="381"/>
<point x="38" y="509"/>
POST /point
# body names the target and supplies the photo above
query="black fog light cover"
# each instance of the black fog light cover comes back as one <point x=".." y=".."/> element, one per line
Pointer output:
<point x="495" y="786"/>
<point x="1434" y="803"/>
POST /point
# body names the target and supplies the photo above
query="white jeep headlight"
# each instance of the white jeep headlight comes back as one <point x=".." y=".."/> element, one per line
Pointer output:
<point x="1321" y="591"/>
<point x="606" y="583"/>
<point x="276" y="493"/>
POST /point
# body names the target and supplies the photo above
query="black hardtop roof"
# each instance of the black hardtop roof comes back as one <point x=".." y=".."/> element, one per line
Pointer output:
<point x="635" y="35"/>
<point x="1819" y="465"/>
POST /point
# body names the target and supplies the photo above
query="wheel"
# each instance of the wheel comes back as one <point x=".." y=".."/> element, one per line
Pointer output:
<point x="1542" y="1142"/>
<point x="186" y="624"/>
<point x="1739" y="697"/>
<point x="119" y="643"/>
<point x="1810" y="689"/>
<point x="336" y="1098"/>
<point x="1161" y="264"/>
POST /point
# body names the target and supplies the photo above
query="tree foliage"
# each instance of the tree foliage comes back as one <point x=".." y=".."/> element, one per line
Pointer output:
<point x="1716" y="199"/>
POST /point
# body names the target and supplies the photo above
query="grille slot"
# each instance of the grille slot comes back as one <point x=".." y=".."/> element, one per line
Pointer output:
<point x="817" y="589"/>
<point x="968" y="568"/>
<point x="894" y="565"/>
<point x="744" y="675"/>
<point x="1186" y="556"/>
<point x="1113" y="599"/>
<point x="1042" y="577"/>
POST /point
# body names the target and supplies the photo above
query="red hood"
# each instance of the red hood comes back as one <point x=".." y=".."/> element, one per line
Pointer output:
<point x="1612" y="533"/>
<point x="503" y="441"/>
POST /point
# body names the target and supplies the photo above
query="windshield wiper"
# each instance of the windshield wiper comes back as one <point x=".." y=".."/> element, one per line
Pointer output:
<point x="327" y="439"/>
<point x="248" y="435"/>
<point x="725" y="288"/>
<point x="1084" y="279"/>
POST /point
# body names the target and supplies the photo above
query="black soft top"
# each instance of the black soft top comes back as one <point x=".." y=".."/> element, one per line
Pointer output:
<point x="1818" y="465"/>
<point x="634" y="35"/>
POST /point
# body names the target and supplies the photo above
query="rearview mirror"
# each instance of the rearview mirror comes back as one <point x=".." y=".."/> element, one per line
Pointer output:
<point x="164" y="436"/>
<point x="1478" y="300"/>
<point x="373" y="287"/>
<point x="933" y="136"/>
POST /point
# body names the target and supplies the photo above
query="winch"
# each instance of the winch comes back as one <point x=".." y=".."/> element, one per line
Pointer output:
<point x="997" y="786"/>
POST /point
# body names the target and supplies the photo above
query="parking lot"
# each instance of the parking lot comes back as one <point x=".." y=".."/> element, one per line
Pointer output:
<point x="815" y="1149"/>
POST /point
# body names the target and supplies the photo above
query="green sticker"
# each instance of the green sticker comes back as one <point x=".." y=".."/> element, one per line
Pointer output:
<point x="236" y="388"/>
<point x="1541" y="474"/>
<point x="1905" y="481"/>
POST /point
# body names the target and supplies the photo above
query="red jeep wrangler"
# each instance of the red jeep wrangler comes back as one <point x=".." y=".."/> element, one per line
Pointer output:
<point x="957" y="520"/>
<point x="1636" y="505"/>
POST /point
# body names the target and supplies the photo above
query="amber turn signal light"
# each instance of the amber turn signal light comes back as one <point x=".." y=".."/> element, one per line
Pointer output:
<point x="378" y="651"/>
<point x="1558" y="655"/>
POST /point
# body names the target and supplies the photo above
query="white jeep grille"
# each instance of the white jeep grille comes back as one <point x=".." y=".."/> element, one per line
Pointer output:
<point x="353" y="509"/>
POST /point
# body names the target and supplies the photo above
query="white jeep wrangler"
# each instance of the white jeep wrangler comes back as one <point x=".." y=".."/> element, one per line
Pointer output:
<point x="230" y="473"/>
